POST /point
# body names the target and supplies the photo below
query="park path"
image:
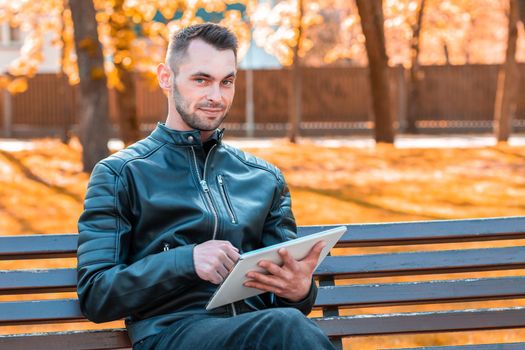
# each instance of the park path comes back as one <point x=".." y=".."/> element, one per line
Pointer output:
<point x="402" y="141"/>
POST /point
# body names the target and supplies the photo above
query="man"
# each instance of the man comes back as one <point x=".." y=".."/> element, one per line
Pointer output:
<point x="166" y="219"/>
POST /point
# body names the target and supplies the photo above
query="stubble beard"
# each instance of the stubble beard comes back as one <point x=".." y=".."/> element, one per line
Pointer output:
<point x="192" y="119"/>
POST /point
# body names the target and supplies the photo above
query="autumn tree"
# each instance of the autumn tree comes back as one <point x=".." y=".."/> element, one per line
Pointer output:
<point x="93" y="99"/>
<point x="295" y="92"/>
<point x="122" y="35"/>
<point x="415" y="71"/>
<point x="282" y="30"/>
<point x="371" y="13"/>
<point x="37" y="18"/>
<point x="508" y="76"/>
<point x="34" y="19"/>
<point x="133" y="41"/>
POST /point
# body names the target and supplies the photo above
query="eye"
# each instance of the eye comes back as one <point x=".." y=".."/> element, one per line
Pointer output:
<point x="199" y="80"/>
<point x="227" y="82"/>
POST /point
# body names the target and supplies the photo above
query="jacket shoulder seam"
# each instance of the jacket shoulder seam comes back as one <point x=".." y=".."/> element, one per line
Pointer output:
<point x="126" y="161"/>
<point x="268" y="168"/>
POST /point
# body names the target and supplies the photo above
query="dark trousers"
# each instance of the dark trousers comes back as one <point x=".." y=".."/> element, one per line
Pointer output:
<point x="279" y="328"/>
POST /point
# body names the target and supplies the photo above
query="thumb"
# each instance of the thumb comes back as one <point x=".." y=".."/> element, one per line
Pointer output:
<point x="313" y="256"/>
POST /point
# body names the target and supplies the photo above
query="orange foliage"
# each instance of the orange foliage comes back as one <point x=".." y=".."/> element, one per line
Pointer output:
<point x="473" y="31"/>
<point x="329" y="185"/>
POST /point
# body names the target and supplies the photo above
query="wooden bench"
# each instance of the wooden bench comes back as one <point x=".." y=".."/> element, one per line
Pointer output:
<point x="332" y="299"/>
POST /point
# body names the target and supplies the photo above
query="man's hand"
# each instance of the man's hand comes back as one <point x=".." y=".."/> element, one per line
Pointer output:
<point x="213" y="260"/>
<point x="292" y="280"/>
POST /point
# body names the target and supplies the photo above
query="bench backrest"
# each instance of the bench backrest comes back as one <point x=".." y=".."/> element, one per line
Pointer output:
<point x="334" y="295"/>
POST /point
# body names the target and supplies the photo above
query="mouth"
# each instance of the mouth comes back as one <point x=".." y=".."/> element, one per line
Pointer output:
<point x="212" y="110"/>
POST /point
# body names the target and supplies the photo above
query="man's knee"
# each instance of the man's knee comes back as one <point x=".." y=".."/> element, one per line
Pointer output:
<point x="288" y="322"/>
<point x="285" y="317"/>
<point x="290" y="329"/>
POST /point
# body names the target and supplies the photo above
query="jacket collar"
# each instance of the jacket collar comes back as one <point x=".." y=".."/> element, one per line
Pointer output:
<point x="183" y="138"/>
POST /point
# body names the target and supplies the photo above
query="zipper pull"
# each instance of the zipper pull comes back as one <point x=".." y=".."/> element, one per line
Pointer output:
<point x="219" y="178"/>
<point x="204" y="185"/>
<point x="166" y="247"/>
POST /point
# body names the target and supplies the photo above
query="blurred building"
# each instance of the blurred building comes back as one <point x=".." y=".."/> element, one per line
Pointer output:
<point x="11" y="41"/>
<point x="257" y="58"/>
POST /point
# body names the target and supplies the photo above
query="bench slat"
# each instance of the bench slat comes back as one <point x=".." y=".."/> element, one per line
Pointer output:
<point x="79" y="340"/>
<point x="37" y="281"/>
<point x="414" y="263"/>
<point x="397" y="233"/>
<point x="421" y="292"/>
<point x="443" y="321"/>
<point x="38" y="246"/>
<point x="426" y="232"/>
<point x="371" y="265"/>
<point x="504" y="346"/>
<point x="68" y="310"/>
<point x="40" y="312"/>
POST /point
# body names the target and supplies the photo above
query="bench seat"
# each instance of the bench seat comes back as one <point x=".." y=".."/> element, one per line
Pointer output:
<point x="335" y="295"/>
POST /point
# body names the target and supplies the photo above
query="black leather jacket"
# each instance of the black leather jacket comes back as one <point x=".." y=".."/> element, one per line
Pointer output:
<point x="148" y="205"/>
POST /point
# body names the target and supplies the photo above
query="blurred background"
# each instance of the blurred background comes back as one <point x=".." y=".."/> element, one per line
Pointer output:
<point x="392" y="110"/>
<point x="436" y="66"/>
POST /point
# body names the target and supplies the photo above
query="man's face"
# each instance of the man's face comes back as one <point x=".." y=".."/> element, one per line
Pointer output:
<point x="204" y="85"/>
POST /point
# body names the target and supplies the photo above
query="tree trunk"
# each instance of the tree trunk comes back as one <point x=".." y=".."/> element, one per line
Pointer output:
<point x="127" y="107"/>
<point x="446" y="53"/>
<point x="62" y="76"/>
<point x="8" y="113"/>
<point x="521" y="11"/>
<point x="508" y="79"/>
<point x="93" y="100"/>
<point x="250" y="112"/>
<point x="122" y="33"/>
<point x="371" y="13"/>
<point x="295" y="86"/>
<point x="414" y="105"/>
<point x="249" y="106"/>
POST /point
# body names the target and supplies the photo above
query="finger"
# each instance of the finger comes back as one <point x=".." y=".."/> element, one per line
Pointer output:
<point x="233" y="253"/>
<point x="288" y="261"/>
<point x="229" y="245"/>
<point x="266" y="279"/>
<point x="313" y="256"/>
<point x="224" y="246"/>
<point x="263" y="287"/>
<point x="215" y="278"/>
<point x="228" y="263"/>
<point x="223" y="243"/>
<point x="272" y="268"/>
<point x="222" y="271"/>
<point x="226" y="260"/>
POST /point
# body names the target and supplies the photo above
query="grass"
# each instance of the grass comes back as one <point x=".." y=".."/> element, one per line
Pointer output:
<point x="41" y="191"/>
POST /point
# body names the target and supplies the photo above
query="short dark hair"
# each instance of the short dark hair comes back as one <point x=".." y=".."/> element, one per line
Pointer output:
<point x="217" y="36"/>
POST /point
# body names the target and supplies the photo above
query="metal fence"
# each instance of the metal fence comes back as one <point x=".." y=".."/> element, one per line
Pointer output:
<point x="334" y="101"/>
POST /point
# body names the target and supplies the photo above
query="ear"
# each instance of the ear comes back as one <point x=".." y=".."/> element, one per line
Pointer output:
<point x="164" y="76"/>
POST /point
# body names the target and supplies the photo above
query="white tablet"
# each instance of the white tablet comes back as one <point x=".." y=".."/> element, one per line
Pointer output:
<point x="232" y="289"/>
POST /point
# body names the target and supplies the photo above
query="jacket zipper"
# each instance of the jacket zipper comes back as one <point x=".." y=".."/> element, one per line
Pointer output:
<point x="206" y="189"/>
<point x="207" y="193"/>
<point x="166" y="247"/>
<point x="225" y="199"/>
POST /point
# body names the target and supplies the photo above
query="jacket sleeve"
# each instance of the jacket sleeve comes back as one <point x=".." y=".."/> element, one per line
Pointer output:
<point x="280" y="226"/>
<point x="108" y="287"/>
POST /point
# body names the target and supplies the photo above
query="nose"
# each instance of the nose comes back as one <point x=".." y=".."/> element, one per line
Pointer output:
<point x="214" y="93"/>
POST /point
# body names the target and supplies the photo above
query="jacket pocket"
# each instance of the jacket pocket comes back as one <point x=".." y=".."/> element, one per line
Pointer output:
<point x="226" y="199"/>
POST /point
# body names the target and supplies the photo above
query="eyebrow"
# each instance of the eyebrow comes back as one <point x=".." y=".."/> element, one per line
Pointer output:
<point x="206" y="75"/>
